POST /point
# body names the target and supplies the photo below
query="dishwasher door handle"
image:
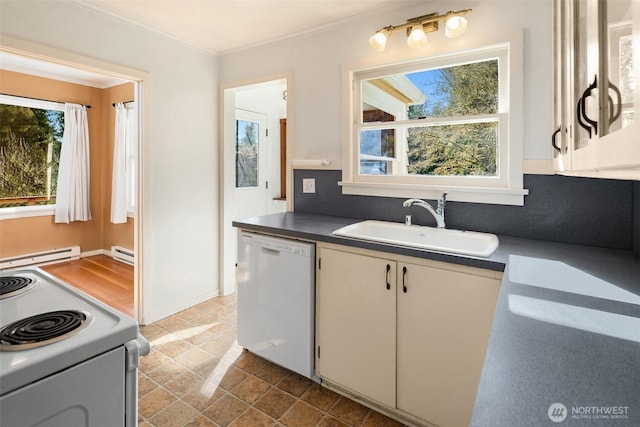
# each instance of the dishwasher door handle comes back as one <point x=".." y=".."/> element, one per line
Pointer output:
<point x="270" y="251"/>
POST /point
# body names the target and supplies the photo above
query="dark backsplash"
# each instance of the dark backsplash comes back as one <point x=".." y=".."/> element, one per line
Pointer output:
<point x="585" y="211"/>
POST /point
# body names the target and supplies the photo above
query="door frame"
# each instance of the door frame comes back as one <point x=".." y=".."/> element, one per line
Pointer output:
<point x="142" y="94"/>
<point x="227" y="171"/>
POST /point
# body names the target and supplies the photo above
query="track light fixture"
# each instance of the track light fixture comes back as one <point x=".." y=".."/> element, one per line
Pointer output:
<point x="418" y="27"/>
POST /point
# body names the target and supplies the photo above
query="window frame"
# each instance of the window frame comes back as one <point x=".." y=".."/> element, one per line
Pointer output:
<point x="29" y="211"/>
<point x="132" y="156"/>
<point x="507" y="188"/>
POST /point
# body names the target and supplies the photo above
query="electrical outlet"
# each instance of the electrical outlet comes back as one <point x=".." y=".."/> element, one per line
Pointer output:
<point x="309" y="185"/>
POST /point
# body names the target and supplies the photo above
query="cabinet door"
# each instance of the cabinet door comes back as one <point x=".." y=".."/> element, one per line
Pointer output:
<point x="618" y="67"/>
<point x="594" y="90"/>
<point x="356" y="323"/>
<point x="444" y="322"/>
<point x="618" y="131"/>
<point x="564" y="113"/>
<point x="586" y="62"/>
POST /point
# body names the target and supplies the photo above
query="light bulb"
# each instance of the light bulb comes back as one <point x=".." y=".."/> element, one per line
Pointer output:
<point x="416" y="38"/>
<point x="378" y="41"/>
<point x="456" y="26"/>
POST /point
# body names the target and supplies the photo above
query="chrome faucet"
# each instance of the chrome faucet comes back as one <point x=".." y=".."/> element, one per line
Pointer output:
<point x="438" y="213"/>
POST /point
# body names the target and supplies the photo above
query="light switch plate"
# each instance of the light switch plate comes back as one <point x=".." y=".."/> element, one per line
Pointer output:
<point x="309" y="185"/>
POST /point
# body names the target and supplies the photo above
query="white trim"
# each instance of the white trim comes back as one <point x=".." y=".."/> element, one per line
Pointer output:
<point x="497" y="181"/>
<point x="312" y="163"/>
<point x="499" y="196"/>
<point x="94" y="253"/>
<point x="26" y="212"/>
<point x="40" y="104"/>
<point x="510" y="191"/>
<point x="51" y="256"/>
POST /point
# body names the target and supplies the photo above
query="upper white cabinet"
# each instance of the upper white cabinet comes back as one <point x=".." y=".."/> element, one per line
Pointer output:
<point x="596" y="57"/>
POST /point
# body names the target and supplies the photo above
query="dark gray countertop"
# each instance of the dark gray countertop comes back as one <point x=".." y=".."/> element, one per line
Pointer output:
<point x="566" y="328"/>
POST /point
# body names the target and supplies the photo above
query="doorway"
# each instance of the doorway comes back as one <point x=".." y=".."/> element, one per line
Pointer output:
<point x="59" y="65"/>
<point x="251" y="161"/>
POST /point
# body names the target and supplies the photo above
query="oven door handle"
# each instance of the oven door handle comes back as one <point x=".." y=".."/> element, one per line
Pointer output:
<point x="134" y="349"/>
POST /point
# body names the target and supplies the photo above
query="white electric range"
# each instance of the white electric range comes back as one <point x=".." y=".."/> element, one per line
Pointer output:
<point x="86" y="375"/>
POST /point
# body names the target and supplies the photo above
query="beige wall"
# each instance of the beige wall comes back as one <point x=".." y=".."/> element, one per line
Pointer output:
<point x="27" y="235"/>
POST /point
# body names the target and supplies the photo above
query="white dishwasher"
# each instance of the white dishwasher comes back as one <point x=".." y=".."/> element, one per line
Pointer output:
<point x="275" y="281"/>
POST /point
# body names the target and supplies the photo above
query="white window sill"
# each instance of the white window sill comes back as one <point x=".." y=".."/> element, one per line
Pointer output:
<point x="26" y="212"/>
<point x="31" y="211"/>
<point x="498" y="196"/>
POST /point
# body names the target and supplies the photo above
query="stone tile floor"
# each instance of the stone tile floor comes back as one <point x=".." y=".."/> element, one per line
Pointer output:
<point x="197" y="375"/>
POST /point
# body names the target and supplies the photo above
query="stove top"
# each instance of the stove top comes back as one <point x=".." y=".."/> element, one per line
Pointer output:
<point x="42" y="329"/>
<point x="15" y="285"/>
<point x="51" y="305"/>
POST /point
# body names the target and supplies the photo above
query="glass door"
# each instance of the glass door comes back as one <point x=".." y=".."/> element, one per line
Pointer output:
<point x="616" y="34"/>
<point x="564" y="112"/>
<point x="586" y="68"/>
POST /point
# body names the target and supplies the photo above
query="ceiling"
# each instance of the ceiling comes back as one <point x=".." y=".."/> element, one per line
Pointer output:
<point x="222" y="26"/>
<point x="213" y="26"/>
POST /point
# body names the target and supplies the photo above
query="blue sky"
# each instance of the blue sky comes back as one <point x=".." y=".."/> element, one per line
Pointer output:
<point x="426" y="81"/>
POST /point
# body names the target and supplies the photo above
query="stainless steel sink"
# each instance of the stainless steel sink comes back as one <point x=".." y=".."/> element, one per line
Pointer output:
<point x="421" y="237"/>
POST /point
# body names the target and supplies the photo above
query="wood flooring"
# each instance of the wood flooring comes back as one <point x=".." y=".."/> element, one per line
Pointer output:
<point x="100" y="276"/>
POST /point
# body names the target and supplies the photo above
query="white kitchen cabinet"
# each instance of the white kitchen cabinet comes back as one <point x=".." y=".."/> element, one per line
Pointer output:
<point x="403" y="334"/>
<point x="596" y="49"/>
<point x="356" y="315"/>
<point x="443" y="324"/>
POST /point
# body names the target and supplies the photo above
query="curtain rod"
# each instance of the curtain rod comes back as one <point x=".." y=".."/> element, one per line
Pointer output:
<point x="38" y="99"/>
<point x="125" y="102"/>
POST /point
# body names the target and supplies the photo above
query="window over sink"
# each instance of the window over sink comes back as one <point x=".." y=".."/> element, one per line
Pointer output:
<point x="448" y="121"/>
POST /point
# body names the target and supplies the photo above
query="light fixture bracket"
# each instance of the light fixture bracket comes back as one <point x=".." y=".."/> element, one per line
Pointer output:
<point x="429" y="22"/>
<point x="428" y="27"/>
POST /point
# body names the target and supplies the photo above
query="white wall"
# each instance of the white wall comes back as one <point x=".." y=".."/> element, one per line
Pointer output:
<point x="315" y="62"/>
<point x="180" y="180"/>
<point x="180" y="209"/>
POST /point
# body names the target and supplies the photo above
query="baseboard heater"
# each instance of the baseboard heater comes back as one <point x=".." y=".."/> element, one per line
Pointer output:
<point x="123" y="254"/>
<point x="41" y="258"/>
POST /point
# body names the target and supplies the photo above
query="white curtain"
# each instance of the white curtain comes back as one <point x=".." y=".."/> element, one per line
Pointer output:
<point x="72" y="199"/>
<point x="119" y="202"/>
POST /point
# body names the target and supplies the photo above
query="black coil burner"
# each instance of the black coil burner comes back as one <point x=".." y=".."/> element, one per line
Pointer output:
<point x="14" y="285"/>
<point x="42" y="329"/>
